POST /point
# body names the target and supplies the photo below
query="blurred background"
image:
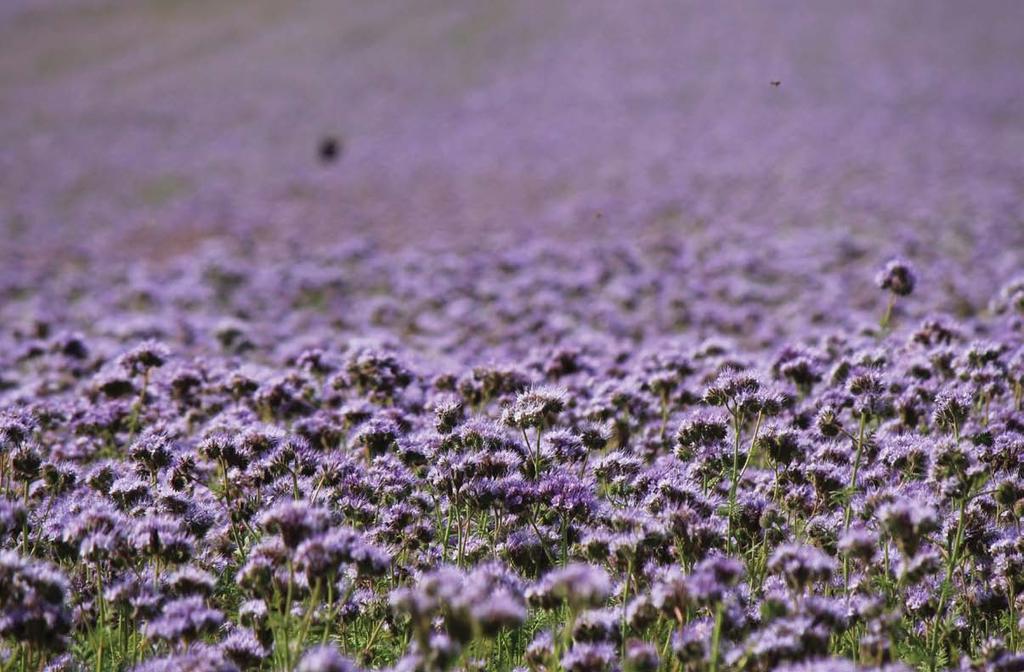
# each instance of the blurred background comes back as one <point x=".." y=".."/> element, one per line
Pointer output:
<point x="139" y="128"/>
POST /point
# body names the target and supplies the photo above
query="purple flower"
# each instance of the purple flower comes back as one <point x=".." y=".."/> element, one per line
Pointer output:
<point x="951" y="409"/>
<point x="801" y="565"/>
<point x="145" y="356"/>
<point x="160" y="537"/>
<point x="579" y="585"/>
<point x="324" y="554"/>
<point x="537" y="407"/>
<point x="641" y="656"/>
<point x="585" y="657"/>
<point x="295" y="521"/>
<point x="896" y="277"/>
<point x="325" y="659"/>
<point x="184" y="620"/>
<point x="908" y="522"/>
<point x="244" y="649"/>
<point x="33" y="606"/>
<point x="197" y="658"/>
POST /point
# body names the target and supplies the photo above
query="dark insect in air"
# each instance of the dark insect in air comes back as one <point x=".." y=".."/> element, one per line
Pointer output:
<point x="329" y="149"/>
<point x="776" y="82"/>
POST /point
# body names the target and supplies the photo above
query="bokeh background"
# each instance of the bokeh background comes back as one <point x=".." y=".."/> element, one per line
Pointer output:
<point x="141" y="128"/>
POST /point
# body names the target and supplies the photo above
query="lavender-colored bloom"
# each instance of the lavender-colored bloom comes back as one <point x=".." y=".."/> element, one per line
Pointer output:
<point x="197" y="658"/>
<point x="951" y="409"/>
<point x="692" y="642"/>
<point x="641" y="656"/>
<point x="184" y="620"/>
<point x="33" y="607"/>
<point x="712" y="579"/>
<point x="295" y="521"/>
<point x="589" y="658"/>
<point x="563" y="446"/>
<point x="859" y="543"/>
<point x="244" y="649"/>
<point x="502" y="609"/>
<point x="788" y="639"/>
<point x="567" y="495"/>
<point x="449" y="413"/>
<point x="702" y="430"/>
<point x="13" y="517"/>
<point x="535" y="408"/>
<point x="781" y="445"/>
<point x="325" y="659"/>
<point x="160" y="537"/>
<point x="597" y="625"/>
<point x="897" y="277"/>
<point x="65" y="662"/>
<point x="148" y="355"/>
<point x="481" y="602"/>
<point x="324" y="554"/>
<point x="253" y="613"/>
<point x="541" y="650"/>
<point x="801" y="565"/>
<point x="190" y="580"/>
<point x="908" y="522"/>
<point x="579" y="585"/>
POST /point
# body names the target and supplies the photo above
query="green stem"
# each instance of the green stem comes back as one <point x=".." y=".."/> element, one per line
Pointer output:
<point x="664" y="414"/>
<point x="849" y="499"/>
<point x="887" y="315"/>
<point x="625" y="603"/>
<point x="733" y="480"/>
<point x="716" y="636"/>
<point x="954" y="556"/>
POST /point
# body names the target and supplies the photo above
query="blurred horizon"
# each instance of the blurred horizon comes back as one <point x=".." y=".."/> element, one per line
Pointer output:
<point x="139" y="130"/>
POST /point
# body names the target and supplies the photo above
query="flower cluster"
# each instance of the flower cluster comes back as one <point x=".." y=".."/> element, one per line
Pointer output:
<point x="495" y="490"/>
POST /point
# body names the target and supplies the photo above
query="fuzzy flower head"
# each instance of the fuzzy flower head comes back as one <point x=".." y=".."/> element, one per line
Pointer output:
<point x="33" y="607"/>
<point x="908" y="522"/>
<point x="295" y="521"/>
<point x="701" y="430"/>
<point x="143" y="357"/>
<point x="324" y="554"/>
<point x="184" y="620"/>
<point x="712" y="579"/>
<point x="478" y="603"/>
<point x="951" y="410"/>
<point x="537" y="407"/>
<point x="244" y="648"/>
<point x="577" y="584"/>
<point x="897" y="277"/>
<point x="584" y="657"/>
<point x="325" y="658"/>
<point x="801" y="566"/>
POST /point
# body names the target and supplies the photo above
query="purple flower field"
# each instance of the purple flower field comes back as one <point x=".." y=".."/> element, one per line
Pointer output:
<point x="555" y="337"/>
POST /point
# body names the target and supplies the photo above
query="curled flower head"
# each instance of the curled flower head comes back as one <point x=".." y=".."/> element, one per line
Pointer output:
<point x="536" y="407"/>
<point x="712" y="578"/>
<point x="897" y="277"/>
<point x="951" y="409"/>
<point x="641" y="656"/>
<point x="33" y="607"/>
<point x="585" y="657"/>
<point x="243" y="648"/>
<point x="577" y="584"/>
<point x="908" y="522"/>
<point x="184" y="620"/>
<point x="145" y="356"/>
<point x="702" y="430"/>
<point x="295" y="521"/>
<point x="801" y="565"/>
<point x="325" y="659"/>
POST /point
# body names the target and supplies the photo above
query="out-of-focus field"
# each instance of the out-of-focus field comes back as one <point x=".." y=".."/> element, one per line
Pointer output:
<point x="142" y="126"/>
